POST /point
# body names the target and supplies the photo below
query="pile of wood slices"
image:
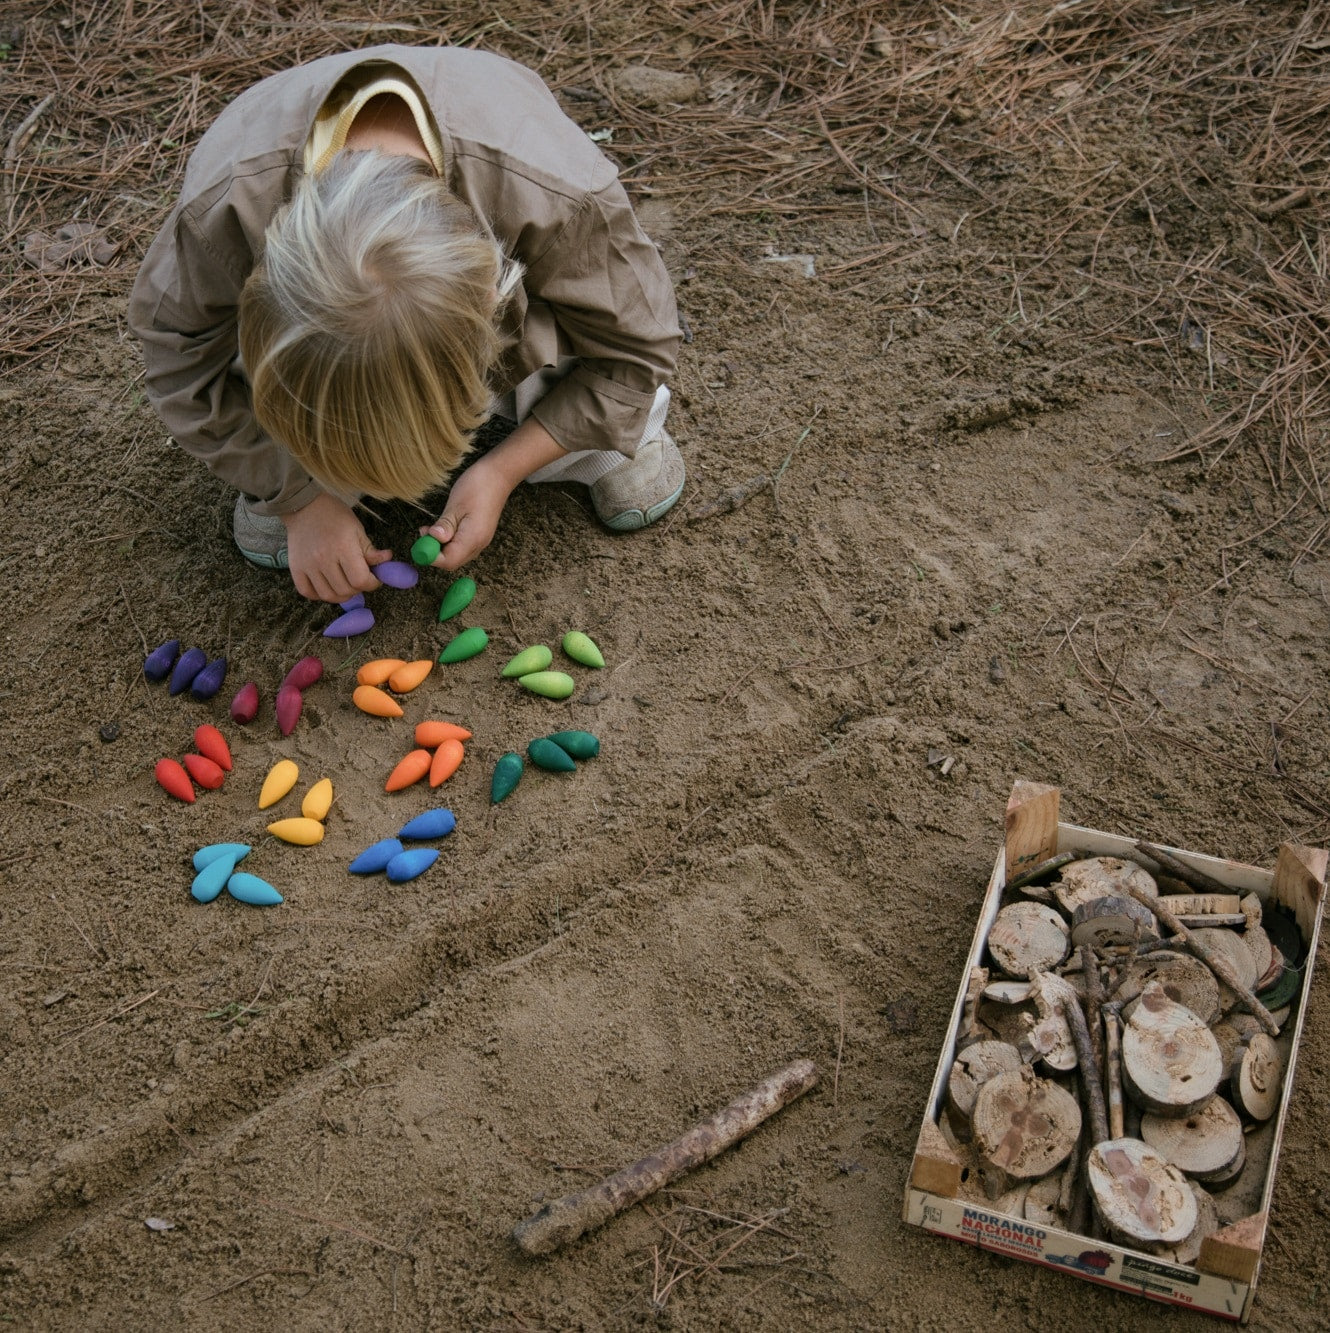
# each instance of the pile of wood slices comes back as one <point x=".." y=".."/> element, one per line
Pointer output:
<point x="1153" y="1001"/>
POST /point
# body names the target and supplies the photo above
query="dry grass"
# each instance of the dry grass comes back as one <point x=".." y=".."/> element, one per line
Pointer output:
<point x="1017" y="120"/>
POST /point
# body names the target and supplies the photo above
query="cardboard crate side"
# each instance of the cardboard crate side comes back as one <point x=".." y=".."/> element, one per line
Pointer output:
<point x="1096" y="1261"/>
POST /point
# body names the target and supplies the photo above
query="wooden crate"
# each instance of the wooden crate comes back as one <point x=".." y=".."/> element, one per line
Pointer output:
<point x="1223" y="1281"/>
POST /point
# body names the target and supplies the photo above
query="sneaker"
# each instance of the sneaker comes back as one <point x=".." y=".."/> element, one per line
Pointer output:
<point x="641" y="489"/>
<point x="260" y="538"/>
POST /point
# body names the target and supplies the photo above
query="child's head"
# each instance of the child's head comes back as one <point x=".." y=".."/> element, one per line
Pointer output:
<point x="367" y="329"/>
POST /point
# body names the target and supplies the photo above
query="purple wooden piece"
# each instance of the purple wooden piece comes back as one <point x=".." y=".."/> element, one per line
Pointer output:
<point x="350" y="623"/>
<point x="396" y="574"/>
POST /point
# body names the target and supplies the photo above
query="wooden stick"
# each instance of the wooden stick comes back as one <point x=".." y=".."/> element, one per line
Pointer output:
<point x="1113" y="1068"/>
<point x="563" y="1221"/>
<point x="1061" y="994"/>
<point x="1214" y="960"/>
<point x="1043" y="868"/>
<point x="1198" y="879"/>
<point x="1094" y="998"/>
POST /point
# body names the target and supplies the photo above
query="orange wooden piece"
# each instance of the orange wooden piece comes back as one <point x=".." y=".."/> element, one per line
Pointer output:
<point x="447" y="759"/>
<point x="210" y="742"/>
<point x="174" y="780"/>
<point x="407" y="677"/>
<point x="430" y="734"/>
<point x="378" y="703"/>
<point x="409" y="770"/>
<point x="204" y="771"/>
<point x="375" y="673"/>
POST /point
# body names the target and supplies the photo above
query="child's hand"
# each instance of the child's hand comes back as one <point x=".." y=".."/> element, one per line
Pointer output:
<point x="466" y="526"/>
<point x="328" y="552"/>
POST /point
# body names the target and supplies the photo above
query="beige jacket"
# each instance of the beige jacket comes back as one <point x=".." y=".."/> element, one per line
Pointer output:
<point x="594" y="288"/>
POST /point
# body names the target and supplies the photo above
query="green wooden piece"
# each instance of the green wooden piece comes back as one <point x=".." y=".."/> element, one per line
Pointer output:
<point x="425" y="550"/>
<point x="545" y="754"/>
<point x="507" y="774"/>
<point x="466" y="644"/>
<point x="579" y="744"/>
<point x="581" y="649"/>
<point x="552" y="684"/>
<point x="457" y="598"/>
<point x="535" y="658"/>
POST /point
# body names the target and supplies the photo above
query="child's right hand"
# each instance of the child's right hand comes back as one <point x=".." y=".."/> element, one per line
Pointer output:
<point x="328" y="552"/>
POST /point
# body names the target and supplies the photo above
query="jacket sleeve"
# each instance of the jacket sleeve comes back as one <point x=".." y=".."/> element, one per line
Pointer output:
<point x="183" y="310"/>
<point x="612" y="298"/>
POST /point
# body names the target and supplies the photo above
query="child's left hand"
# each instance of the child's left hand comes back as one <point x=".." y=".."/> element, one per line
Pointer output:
<point x="466" y="526"/>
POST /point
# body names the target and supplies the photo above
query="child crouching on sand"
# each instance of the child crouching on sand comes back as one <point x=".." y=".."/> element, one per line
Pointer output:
<point x="372" y="255"/>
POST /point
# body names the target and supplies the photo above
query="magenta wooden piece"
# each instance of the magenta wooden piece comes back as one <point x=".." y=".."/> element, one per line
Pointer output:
<point x="287" y="706"/>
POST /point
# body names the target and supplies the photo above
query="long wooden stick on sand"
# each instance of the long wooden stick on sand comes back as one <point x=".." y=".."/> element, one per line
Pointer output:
<point x="563" y="1221"/>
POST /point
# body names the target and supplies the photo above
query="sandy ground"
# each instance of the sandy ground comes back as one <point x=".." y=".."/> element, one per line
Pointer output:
<point x="343" y="1105"/>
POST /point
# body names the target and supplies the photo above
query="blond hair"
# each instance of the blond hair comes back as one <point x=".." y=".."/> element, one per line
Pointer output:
<point x="368" y="328"/>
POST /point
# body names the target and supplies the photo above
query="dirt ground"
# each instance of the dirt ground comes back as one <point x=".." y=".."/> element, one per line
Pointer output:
<point x="962" y="290"/>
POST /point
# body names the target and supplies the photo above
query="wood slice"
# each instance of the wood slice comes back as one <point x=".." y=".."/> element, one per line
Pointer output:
<point x="1025" y="1125"/>
<point x="1229" y="942"/>
<point x="1101" y="877"/>
<point x="1229" y="1040"/>
<point x="1170" y="1059"/>
<point x="1050" y="1040"/>
<point x="1263" y="952"/>
<point x="1007" y="992"/>
<point x="1184" y="979"/>
<point x="1257" y="1074"/>
<point x="1007" y="1022"/>
<point x="1201" y="904"/>
<point x="1223" y="1178"/>
<point x="1027" y="937"/>
<point x="1207" y="1223"/>
<point x="1104" y="923"/>
<point x="973" y="1067"/>
<point x="1139" y="1195"/>
<point x="1041" y="1202"/>
<point x="1204" y="1143"/>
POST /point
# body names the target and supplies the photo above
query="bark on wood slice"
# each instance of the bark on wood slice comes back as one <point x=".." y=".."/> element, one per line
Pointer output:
<point x="1170" y="1059"/>
<point x="1256" y="1078"/>
<point x="1025" y="1125"/>
<point x="1207" y="1223"/>
<point x="1205" y="1143"/>
<point x="1139" y="1195"/>
<point x="973" y="1067"/>
<point x="1007" y="1022"/>
<point x="1027" y="937"/>
<point x="1184" y="979"/>
<point x="1228" y="943"/>
<point x="1101" y="877"/>
<point x="1202" y="904"/>
<point x="1041" y="1202"/>
<point x="1107" y="922"/>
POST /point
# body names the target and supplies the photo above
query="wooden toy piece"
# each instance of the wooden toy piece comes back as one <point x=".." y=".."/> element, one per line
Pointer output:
<point x="205" y="856"/>
<point x="410" y="863"/>
<point x="204" y="771"/>
<point x="288" y="705"/>
<point x="378" y="671"/>
<point x="447" y="760"/>
<point x="406" y="678"/>
<point x="376" y="702"/>
<point x="245" y="705"/>
<point x="430" y="734"/>
<point x="409" y="770"/>
<point x="209" y="680"/>
<point x="457" y="598"/>
<point x="551" y="684"/>
<point x="425" y="550"/>
<point x="157" y="665"/>
<point x="375" y="858"/>
<point x="282" y="776"/>
<point x="581" y="649"/>
<point x="549" y="756"/>
<point x="304" y="673"/>
<point x="351" y="623"/>
<point x="191" y="662"/>
<point x="253" y="890"/>
<point x="173" y="779"/>
<point x="396" y="574"/>
<point x="431" y="824"/>
<point x="579" y="744"/>
<point x="535" y="658"/>
<point x="464" y="645"/>
<point x="318" y="800"/>
<point x="210" y="742"/>
<point x="507" y="774"/>
<point x="300" y="831"/>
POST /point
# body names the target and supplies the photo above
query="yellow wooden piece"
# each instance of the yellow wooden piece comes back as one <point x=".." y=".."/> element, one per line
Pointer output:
<point x="318" y="800"/>
<point x="282" y="776"/>
<point x="302" y="832"/>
